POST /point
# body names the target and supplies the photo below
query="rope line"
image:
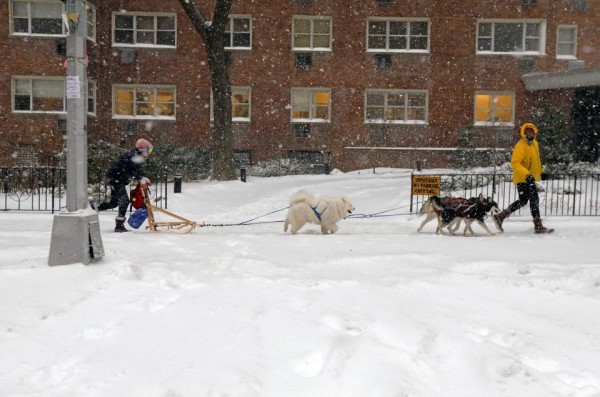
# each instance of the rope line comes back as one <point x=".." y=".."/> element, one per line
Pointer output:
<point x="249" y="222"/>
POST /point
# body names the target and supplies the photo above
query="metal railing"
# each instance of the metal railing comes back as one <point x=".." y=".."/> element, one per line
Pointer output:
<point x="45" y="189"/>
<point x="564" y="194"/>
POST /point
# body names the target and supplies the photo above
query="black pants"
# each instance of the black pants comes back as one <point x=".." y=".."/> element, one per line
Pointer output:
<point x="527" y="192"/>
<point x="118" y="197"/>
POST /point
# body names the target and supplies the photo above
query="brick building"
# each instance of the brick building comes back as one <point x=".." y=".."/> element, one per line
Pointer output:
<point x="356" y="83"/>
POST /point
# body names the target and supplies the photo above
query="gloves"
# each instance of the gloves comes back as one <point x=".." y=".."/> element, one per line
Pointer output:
<point x="145" y="181"/>
<point x="545" y="176"/>
<point x="530" y="180"/>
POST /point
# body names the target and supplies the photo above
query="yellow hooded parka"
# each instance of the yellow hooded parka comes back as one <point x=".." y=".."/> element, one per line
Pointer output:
<point x="526" y="158"/>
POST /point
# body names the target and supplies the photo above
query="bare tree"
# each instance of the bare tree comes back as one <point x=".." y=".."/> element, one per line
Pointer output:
<point x="212" y="33"/>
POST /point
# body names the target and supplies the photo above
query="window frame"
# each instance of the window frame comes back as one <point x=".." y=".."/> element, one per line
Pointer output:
<point x="234" y="119"/>
<point x="541" y="38"/>
<point x="311" y="105"/>
<point x="231" y="32"/>
<point x="488" y="123"/>
<point x="134" y="88"/>
<point x="93" y="88"/>
<point x="388" y="20"/>
<point x="29" y="3"/>
<point x="135" y="30"/>
<point x="312" y="19"/>
<point x="574" y="43"/>
<point x="31" y="92"/>
<point x="405" y="107"/>
<point x="91" y="10"/>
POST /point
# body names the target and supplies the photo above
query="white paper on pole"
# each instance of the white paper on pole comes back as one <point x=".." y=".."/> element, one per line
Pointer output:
<point x="73" y="87"/>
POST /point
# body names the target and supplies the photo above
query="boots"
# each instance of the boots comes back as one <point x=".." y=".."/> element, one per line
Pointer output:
<point x="499" y="218"/>
<point x="539" y="228"/>
<point x="120" y="227"/>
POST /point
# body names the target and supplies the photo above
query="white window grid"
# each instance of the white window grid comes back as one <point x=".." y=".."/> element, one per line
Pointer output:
<point x="566" y="42"/>
<point x="239" y="27"/>
<point x="136" y="31"/>
<point x="305" y="101"/>
<point x="91" y="97"/>
<point x="91" y="22"/>
<point x="396" y="106"/>
<point x="411" y="36"/>
<point x="24" y="13"/>
<point x="37" y="87"/>
<point x="533" y="36"/>
<point x="242" y="91"/>
<point x="493" y="119"/>
<point x="136" y="103"/>
<point x="313" y="33"/>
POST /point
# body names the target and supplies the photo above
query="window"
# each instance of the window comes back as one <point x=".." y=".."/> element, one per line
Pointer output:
<point x="37" y="18"/>
<point x="240" y="104"/>
<point x="91" y="22"/>
<point x="494" y="108"/>
<point x="396" y="106"/>
<point x="39" y="94"/>
<point x="578" y="5"/>
<point x="311" y="104"/>
<point x="238" y="33"/>
<point x="397" y="35"/>
<point x="510" y="37"/>
<point x="144" y="102"/>
<point x="566" y="42"/>
<point x="91" y="97"/>
<point x="312" y="33"/>
<point x="144" y="30"/>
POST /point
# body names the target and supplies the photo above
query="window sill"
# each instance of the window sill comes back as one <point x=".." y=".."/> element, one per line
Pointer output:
<point x="394" y="122"/>
<point x="492" y="124"/>
<point x="310" y="121"/>
<point x="39" y="111"/>
<point x="567" y="57"/>
<point x="248" y="49"/>
<point x="295" y="49"/>
<point x="145" y="118"/>
<point x="149" y="46"/>
<point x="384" y="51"/>
<point x="537" y="54"/>
<point x="38" y="35"/>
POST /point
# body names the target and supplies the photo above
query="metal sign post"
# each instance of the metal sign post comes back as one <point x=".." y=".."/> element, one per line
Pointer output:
<point x="76" y="232"/>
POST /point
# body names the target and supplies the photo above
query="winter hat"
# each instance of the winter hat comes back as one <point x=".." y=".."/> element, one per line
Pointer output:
<point x="143" y="144"/>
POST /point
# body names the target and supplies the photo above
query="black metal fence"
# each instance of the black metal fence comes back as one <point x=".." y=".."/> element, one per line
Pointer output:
<point x="565" y="194"/>
<point x="45" y="189"/>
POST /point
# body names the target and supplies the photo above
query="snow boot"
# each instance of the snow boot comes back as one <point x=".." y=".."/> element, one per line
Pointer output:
<point x="120" y="227"/>
<point x="499" y="218"/>
<point x="539" y="228"/>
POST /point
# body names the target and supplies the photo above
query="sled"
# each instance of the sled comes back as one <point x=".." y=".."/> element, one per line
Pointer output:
<point x="182" y="224"/>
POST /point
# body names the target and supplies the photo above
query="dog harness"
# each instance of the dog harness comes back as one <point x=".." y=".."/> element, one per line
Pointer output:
<point x="317" y="212"/>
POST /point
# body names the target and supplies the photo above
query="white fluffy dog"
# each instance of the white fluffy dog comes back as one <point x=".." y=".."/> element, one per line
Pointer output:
<point x="324" y="211"/>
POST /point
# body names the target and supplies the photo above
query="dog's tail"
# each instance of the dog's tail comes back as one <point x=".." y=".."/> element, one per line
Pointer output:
<point x="301" y="196"/>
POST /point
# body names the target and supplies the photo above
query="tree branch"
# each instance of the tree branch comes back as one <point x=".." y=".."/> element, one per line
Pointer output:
<point x="195" y="14"/>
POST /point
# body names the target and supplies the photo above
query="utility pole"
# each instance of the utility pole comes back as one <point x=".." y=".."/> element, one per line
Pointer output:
<point x="76" y="232"/>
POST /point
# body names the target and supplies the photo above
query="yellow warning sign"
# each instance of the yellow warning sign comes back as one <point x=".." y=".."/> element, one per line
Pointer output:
<point x="426" y="185"/>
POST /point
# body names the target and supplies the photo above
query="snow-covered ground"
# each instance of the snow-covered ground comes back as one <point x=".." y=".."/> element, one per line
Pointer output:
<point x="374" y="310"/>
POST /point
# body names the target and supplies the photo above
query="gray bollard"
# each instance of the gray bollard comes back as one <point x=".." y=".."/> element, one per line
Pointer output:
<point x="177" y="183"/>
<point x="243" y="174"/>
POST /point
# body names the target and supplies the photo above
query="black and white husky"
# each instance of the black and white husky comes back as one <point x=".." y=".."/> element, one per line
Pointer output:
<point x="451" y="212"/>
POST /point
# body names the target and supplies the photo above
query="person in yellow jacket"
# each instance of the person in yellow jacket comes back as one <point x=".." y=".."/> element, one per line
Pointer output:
<point x="527" y="169"/>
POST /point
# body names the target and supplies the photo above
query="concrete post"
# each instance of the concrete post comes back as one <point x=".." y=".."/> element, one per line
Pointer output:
<point x="75" y="232"/>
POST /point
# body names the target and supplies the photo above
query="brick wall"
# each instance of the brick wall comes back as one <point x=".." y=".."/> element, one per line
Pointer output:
<point x="450" y="73"/>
